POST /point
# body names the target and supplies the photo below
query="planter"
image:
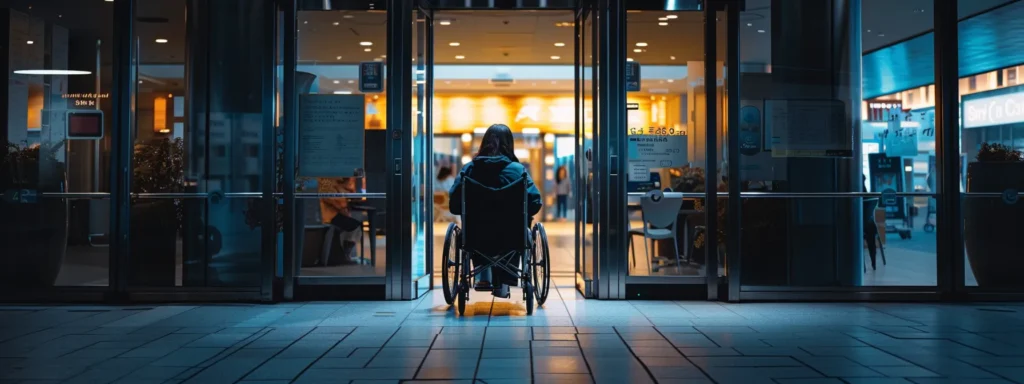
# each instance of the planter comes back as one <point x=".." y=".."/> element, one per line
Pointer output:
<point x="154" y="235"/>
<point x="993" y="228"/>
<point x="35" y="236"/>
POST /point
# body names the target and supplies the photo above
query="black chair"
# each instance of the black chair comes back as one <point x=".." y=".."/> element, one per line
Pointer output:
<point x="491" y="217"/>
<point x="869" y="206"/>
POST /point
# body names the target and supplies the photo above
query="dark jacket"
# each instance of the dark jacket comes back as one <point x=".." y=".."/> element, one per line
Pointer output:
<point x="494" y="172"/>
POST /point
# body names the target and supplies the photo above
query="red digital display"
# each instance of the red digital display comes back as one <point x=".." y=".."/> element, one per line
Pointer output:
<point x="87" y="125"/>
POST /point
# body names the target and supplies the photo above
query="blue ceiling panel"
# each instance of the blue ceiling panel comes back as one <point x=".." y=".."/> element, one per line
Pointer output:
<point x="988" y="42"/>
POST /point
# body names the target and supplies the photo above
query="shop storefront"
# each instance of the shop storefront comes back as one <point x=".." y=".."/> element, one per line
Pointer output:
<point x="196" y="150"/>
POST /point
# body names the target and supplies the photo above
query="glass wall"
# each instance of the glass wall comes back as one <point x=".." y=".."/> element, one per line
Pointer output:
<point x="54" y="176"/>
<point x="991" y="141"/>
<point x="829" y="193"/>
<point x="341" y="165"/>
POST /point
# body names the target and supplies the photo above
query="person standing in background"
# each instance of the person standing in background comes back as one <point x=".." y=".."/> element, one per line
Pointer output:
<point x="563" y="188"/>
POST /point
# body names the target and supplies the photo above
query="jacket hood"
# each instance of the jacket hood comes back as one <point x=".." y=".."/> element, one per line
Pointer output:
<point x="491" y="163"/>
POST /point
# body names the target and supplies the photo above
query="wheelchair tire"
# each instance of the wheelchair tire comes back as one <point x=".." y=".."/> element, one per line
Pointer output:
<point x="451" y="267"/>
<point x="464" y="283"/>
<point x="541" y="264"/>
<point x="529" y="298"/>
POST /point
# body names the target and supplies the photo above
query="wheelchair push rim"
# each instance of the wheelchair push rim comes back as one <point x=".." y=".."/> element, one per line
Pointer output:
<point x="451" y="264"/>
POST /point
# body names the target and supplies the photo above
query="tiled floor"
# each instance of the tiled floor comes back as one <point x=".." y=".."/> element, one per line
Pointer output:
<point x="571" y="340"/>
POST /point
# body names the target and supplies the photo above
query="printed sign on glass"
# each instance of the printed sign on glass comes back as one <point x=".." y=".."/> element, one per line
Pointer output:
<point x="371" y="77"/>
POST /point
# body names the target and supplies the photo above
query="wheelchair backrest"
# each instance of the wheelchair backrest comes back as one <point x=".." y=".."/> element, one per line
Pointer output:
<point x="494" y="218"/>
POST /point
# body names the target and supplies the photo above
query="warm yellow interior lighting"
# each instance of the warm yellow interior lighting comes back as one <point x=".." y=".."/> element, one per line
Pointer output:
<point x="160" y="115"/>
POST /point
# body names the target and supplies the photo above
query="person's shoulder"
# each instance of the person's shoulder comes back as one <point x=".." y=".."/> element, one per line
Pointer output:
<point x="515" y="167"/>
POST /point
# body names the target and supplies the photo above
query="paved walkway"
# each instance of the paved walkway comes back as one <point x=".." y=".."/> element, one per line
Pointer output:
<point x="570" y="341"/>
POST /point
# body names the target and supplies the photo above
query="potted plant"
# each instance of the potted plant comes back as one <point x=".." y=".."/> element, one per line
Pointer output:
<point x="993" y="226"/>
<point x="157" y="167"/>
<point x="34" y="230"/>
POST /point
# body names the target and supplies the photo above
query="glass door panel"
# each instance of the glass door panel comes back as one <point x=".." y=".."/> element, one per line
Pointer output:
<point x="422" y="150"/>
<point x="586" y="252"/>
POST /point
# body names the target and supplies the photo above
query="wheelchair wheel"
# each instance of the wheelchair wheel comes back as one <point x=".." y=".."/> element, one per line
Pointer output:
<point x="541" y="264"/>
<point x="464" y="283"/>
<point x="528" y="292"/>
<point x="451" y="266"/>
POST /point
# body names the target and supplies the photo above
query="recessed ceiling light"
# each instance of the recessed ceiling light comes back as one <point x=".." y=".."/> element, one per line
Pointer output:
<point x="881" y="35"/>
<point x="662" y="19"/>
<point x="671" y="16"/>
<point x="454" y="44"/>
<point x="30" y="42"/>
<point x="367" y="49"/>
<point x="347" y="16"/>
<point x="337" y="81"/>
<point x="559" y="44"/>
<point x="351" y="81"/>
<point x="750" y="24"/>
<point x="366" y="43"/>
<point x="342" y="92"/>
<point x="55" y="72"/>
<point x="445" y="22"/>
<point x="671" y="57"/>
<point x="161" y="41"/>
<point x="305" y="22"/>
<point x="378" y="59"/>
<point x="459" y="57"/>
<point x="638" y="50"/>
<point x="629" y="59"/>
<point x="336" y="23"/>
<point x="663" y="23"/>
<point x="641" y="44"/>
<point x="338" y="58"/>
<point x="555" y="57"/>
<point x="109" y="1"/>
<point x="671" y="81"/>
<point x="760" y="31"/>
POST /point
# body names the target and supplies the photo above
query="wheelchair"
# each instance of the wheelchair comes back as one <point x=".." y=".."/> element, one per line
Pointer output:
<point x="484" y="242"/>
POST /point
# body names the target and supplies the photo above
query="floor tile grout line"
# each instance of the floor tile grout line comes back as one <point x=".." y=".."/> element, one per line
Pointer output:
<point x="429" y="348"/>
<point x="227" y="352"/>
<point x="335" y="345"/>
<point x="687" y="358"/>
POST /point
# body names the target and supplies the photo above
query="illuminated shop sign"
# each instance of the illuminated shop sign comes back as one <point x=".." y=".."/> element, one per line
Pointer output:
<point x="85" y="99"/>
<point x="995" y="110"/>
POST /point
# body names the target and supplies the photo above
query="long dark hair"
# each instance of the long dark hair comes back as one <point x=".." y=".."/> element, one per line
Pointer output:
<point x="498" y="141"/>
<point x="558" y="174"/>
<point x="444" y="172"/>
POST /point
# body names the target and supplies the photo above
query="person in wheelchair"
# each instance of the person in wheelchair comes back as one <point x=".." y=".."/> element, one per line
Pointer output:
<point x="496" y="166"/>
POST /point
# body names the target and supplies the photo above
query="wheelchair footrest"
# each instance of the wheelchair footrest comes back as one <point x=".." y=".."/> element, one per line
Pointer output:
<point x="502" y="292"/>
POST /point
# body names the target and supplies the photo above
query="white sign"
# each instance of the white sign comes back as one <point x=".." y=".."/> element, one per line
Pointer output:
<point x="899" y="141"/>
<point x="331" y="135"/>
<point x="995" y="110"/>
<point x="638" y="172"/>
<point x="655" y="151"/>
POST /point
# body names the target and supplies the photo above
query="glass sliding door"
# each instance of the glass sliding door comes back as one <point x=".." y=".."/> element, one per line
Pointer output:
<point x="586" y="253"/>
<point x="423" y="174"/>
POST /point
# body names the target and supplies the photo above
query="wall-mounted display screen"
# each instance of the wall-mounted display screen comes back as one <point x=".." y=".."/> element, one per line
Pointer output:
<point x="85" y="125"/>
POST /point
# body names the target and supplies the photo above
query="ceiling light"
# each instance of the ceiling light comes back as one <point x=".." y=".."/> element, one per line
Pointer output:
<point x="662" y="19"/>
<point x="641" y="44"/>
<point x="347" y="16"/>
<point x="629" y="59"/>
<point x="378" y="59"/>
<point x="881" y="35"/>
<point x="339" y="57"/>
<point x="750" y="24"/>
<point x="559" y="44"/>
<point x="671" y="57"/>
<point x="459" y="57"/>
<point x="109" y="1"/>
<point x="161" y="41"/>
<point x="671" y="81"/>
<point x="335" y="23"/>
<point x="351" y="81"/>
<point x="445" y="22"/>
<point x="760" y="31"/>
<point x="638" y="50"/>
<point x="663" y="23"/>
<point x="555" y="57"/>
<point x="454" y="44"/>
<point x="342" y="92"/>
<point x="671" y="17"/>
<point x="366" y="43"/>
<point x="337" y="81"/>
<point x="367" y="49"/>
<point x="54" y="72"/>
<point x="30" y="42"/>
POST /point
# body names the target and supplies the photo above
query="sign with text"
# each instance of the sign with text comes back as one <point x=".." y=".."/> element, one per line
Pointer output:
<point x="994" y="110"/>
<point x="887" y="178"/>
<point x="899" y="141"/>
<point x="808" y="128"/>
<point x="632" y="76"/>
<point x="331" y="135"/>
<point x="371" y="77"/>
<point x="657" y="151"/>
